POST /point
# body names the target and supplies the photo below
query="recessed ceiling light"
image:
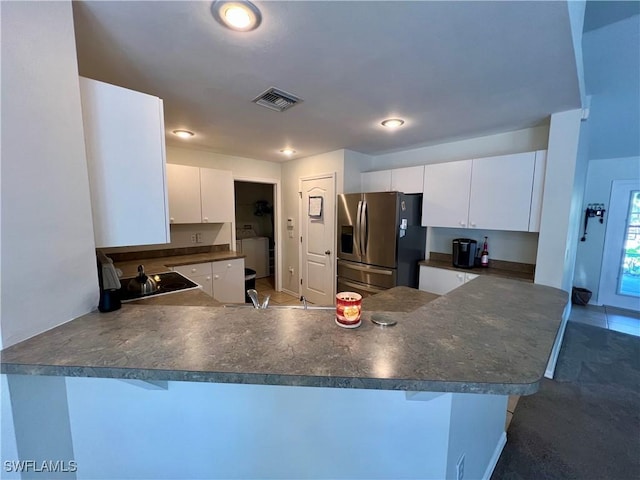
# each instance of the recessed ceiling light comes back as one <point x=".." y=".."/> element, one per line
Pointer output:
<point x="392" y="122"/>
<point x="288" y="151"/>
<point x="239" y="15"/>
<point x="183" y="133"/>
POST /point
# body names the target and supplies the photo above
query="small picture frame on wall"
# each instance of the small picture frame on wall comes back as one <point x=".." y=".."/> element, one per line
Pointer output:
<point x="315" y="207"/>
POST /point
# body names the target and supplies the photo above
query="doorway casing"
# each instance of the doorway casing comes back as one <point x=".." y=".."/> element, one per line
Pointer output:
<point x="277" y="196"/>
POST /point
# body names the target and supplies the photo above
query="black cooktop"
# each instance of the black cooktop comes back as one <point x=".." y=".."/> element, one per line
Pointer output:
<point x="167" y="282"/>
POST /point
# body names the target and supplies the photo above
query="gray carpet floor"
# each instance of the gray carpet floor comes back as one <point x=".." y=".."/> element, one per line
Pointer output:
<point x="584" y="424"/>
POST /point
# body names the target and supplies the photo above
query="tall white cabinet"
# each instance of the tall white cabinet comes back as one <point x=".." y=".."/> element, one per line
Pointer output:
<point x="124" y="140"/>
<point x="200" y="195"/>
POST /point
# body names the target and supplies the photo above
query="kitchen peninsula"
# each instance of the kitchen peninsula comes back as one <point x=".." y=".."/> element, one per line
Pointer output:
<point x="407" y="401"/>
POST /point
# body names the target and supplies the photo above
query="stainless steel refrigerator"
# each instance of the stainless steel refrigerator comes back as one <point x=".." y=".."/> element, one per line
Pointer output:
<point x="380" y="241"/>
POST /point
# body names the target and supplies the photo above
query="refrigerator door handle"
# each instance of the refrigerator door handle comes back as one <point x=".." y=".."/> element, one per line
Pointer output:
<point x="365" y="288"/>
<point x="358" y="228"/>
<point x="365" y="228"/>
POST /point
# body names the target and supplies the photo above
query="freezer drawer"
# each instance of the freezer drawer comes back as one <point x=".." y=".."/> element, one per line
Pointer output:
<point x="367" y="274"/>
<point x="345" y="285"/>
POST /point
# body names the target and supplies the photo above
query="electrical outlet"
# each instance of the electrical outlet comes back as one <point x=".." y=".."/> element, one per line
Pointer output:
<point x="460" y="468"/>
<point x="291" y="270"/>
<point x="193" y="238"/>
<point x="198" y="238"/>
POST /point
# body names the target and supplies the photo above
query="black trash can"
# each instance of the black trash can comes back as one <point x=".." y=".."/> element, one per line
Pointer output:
<point x="580" y="296"/>
<point x="249" y="283"/>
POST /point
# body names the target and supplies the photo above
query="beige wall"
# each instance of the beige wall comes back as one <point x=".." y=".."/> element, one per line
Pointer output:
<point x="48" y="251"/>
<point x="292" y="171"/>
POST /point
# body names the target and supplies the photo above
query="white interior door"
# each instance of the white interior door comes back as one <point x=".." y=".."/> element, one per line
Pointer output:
<point x="620" y="276"/>
<point x="318" y="239"/>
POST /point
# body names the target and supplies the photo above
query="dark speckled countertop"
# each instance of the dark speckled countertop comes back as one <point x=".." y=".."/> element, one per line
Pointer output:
<point x="491" y="335"/>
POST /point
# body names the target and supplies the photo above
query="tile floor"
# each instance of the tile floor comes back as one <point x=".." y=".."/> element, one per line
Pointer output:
<point x="266" y="286"/>
<point x="612" y="318"/>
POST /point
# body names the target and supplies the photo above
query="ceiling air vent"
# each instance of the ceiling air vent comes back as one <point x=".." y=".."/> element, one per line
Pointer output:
<point x="276" y="100"/>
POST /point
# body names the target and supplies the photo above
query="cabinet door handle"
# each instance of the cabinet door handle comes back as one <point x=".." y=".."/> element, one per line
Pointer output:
<point x="216" y="277"/>
<point x="228" y="265"/>
<point x="460" y="276"/>
<point x="208" y="279"/>
<point x="205" y="219"/>
<point x="194" y="270"/>
<point x="473" y="224"/>
<point x="462" y="223"/>
<point x="171" y="220"/>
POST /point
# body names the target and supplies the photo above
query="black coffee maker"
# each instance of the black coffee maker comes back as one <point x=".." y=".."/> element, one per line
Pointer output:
<point x="464" y="252"/>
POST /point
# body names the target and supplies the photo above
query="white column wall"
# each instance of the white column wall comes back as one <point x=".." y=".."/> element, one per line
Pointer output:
<point x="49" y="268"/>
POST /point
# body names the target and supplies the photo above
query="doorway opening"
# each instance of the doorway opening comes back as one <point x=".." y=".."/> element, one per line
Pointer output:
<point x="620" y="274"/>
<point x="255" y="227"/>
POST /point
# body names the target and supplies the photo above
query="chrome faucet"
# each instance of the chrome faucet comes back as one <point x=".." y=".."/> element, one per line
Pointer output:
<point x="253" y="295"/>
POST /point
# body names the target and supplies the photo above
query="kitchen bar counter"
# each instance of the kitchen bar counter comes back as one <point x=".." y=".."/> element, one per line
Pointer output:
<point x="489" y="336"/>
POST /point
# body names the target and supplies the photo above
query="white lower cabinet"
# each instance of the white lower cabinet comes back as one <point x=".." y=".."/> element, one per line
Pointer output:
<point x="223" y="280"/>
<point x="228" y="281"/>
<point x="441" y="281"/>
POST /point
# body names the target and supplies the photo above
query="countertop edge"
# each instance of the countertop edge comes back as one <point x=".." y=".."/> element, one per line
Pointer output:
<point x="271" y="379"/>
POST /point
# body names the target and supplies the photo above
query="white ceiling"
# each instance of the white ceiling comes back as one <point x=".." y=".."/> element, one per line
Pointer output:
<point x="451" y="69"/>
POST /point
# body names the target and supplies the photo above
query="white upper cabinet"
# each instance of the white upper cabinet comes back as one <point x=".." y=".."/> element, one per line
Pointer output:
<point x="200" y="195"/>
<point x="407" y="180"/>
<point x="501" y="192"/>
<point x="538" y="190"/>
<point x="376" y="181"/>
<point x="216" y="190"/>
<point x="184" y="193"/>
<point x="445" y="202"/>
<point x="493" y="193"/>
<point x="124" y="138"/>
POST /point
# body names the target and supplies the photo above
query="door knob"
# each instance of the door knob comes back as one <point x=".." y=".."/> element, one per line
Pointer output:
<point x="328" y="252"/>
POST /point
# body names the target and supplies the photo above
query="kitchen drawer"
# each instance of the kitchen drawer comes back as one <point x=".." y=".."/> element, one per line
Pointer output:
<point x="222" y="266"/>
<point x="194" y="270"/>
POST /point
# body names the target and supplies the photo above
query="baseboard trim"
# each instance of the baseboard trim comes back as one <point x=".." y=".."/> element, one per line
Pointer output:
<point x="289" y="292"/>
<point x="502" y="441"/>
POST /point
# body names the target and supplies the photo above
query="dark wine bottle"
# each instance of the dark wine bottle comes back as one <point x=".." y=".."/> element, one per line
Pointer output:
<point x="484" y="256"/>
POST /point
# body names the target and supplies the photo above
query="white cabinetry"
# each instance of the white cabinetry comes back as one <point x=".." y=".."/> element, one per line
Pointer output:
<point x="124" y="139"/>
<point x="501" y="192"/>
<point x="184" y="194"/>
<point x="228" y="281"/>
<point x="441" y="281"/>
<point x="445" y="202"/>
<point x="200" y="195"/>
<point x="494" y="193"/>
<point x="405" y="180"/>
<point x="223" y="280"/>
<point x="376" y="181"/>
<point x="199" y="273"/>
<point x="216" y="190"/>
